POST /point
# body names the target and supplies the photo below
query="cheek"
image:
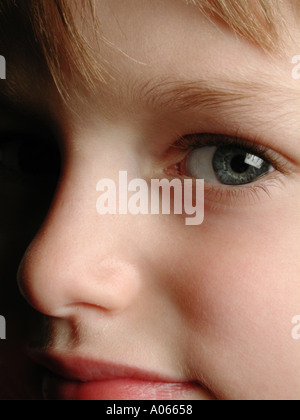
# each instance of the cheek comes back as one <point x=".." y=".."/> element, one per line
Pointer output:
<point x="243" y="291"/>
<point x="251" y="261"/>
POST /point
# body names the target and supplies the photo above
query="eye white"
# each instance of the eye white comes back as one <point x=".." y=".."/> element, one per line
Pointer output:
<point x="199" y="164"/>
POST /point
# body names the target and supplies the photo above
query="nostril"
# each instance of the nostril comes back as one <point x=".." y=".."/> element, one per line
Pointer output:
<point x="115" y="285"/>
<point x="56" y="286"/>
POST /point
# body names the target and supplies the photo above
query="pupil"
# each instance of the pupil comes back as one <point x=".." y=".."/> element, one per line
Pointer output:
<point x="238" y="164"/>
<point x="231" y="167"/>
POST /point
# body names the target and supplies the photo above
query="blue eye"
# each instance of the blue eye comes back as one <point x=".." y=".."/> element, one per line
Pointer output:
<point x="228" y="165"/>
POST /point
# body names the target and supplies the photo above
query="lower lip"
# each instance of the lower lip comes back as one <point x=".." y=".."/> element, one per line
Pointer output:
<point x="55" y="388"/>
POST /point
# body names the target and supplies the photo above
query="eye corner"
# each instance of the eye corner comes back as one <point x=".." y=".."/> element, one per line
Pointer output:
<point x="173" y="170"/>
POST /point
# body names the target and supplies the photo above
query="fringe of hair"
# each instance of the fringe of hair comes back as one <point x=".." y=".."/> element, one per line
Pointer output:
<point x="69" y="55"/>
<point x="256" y="20"/>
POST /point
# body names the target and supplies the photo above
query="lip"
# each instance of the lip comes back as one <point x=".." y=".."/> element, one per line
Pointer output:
<point x="80" y="378"/>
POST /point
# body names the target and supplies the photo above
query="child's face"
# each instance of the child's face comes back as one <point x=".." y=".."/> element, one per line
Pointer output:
<point x="208" y="305"/>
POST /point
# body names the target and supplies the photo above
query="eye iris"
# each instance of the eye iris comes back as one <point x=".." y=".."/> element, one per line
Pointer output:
<point x="229" y="164"/>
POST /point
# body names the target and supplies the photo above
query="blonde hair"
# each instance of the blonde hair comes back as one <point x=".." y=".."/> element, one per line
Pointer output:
<point x="65" y="48"/>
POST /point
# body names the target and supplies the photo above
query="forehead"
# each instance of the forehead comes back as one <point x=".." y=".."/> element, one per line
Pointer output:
<point x="139" y="41"/>
<point x="142" y="42"/>
<point x="146" y="40"/>
<point x="153" y="36"/>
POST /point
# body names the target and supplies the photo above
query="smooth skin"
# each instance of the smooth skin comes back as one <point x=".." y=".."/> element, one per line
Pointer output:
<point x="210" y="304"/>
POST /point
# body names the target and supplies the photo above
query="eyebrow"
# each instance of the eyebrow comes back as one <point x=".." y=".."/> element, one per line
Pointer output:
<point x="185" y="94"/>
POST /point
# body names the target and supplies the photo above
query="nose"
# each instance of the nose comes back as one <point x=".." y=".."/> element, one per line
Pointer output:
<point x="78" y="258"/>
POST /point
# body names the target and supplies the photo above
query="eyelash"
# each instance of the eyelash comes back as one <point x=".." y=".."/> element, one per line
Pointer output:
<point x="195" y="141"/>
<point x="230" y="194"/>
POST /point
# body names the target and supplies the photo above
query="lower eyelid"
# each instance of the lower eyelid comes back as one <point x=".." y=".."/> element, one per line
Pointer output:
<point x="225" y="197"/>
<point x="245" y="195"/>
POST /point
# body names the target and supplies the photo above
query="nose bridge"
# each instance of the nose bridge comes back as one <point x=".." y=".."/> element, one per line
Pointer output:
<point x="79" y="257"/>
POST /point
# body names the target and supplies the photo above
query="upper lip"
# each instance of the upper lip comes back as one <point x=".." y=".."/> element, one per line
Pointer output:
<point x="82" y="369"/>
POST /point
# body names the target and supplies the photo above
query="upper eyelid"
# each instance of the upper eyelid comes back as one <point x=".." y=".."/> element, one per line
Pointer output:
<point x="212" y="139"/>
